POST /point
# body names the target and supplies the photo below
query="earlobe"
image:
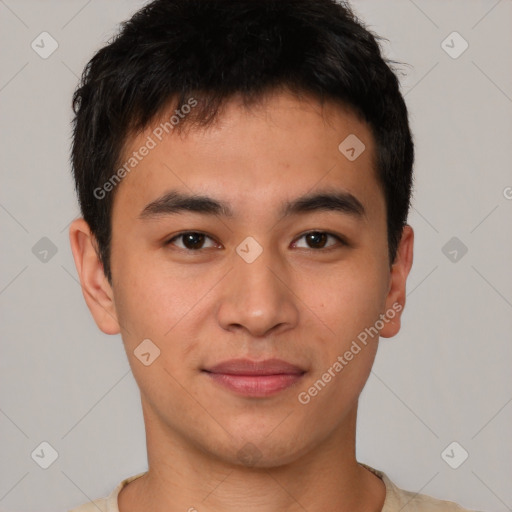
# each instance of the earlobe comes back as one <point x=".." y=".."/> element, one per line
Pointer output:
<point x="395" y="301"/>
<point x="96" y="289"/>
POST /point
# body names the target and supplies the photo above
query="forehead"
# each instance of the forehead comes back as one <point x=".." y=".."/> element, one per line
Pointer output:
<point x="254" y="157"/>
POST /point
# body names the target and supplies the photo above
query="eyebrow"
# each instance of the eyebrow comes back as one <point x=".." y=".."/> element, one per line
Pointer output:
<point x="175" y="202"/>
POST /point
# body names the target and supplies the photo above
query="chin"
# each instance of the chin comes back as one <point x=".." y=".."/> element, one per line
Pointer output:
<point x="264" y="452"/>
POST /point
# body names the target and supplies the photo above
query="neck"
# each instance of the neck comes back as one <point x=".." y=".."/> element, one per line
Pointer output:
<point x="325" y="476"/>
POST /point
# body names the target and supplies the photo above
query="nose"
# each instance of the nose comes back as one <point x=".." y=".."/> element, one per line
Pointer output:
<point x="258" y="297"/>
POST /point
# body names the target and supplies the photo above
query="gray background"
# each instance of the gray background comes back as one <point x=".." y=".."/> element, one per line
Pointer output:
<point x="444" y="378"/>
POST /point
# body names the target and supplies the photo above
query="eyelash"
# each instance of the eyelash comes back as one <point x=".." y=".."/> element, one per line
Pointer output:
<point x="339" y="238"/>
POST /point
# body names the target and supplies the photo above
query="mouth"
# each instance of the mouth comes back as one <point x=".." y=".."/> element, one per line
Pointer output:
<point x="255" y="378"/>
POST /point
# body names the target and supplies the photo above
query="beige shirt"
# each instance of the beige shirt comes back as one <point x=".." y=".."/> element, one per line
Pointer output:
<point x="396" y="500"/>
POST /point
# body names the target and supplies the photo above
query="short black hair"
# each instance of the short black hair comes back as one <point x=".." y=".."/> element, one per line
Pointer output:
<point x="214" y="50"/>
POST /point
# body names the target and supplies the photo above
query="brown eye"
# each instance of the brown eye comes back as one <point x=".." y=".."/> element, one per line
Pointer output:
<point x="191" y="240"/>
<point x="318" y="240"/>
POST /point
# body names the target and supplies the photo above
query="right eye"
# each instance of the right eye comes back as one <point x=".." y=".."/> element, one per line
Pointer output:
<point x="191" y="240"/>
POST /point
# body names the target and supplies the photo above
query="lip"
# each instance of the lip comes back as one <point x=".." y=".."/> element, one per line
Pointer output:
<point x="255" y="378"/>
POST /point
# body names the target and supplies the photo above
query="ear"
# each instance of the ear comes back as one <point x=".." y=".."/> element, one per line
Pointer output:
<point x="395" y="300"/>
<point x="97" y="291"/>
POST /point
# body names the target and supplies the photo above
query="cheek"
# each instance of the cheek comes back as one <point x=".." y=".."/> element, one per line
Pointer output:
<point x="357" y="299"/>
<point x="141" y="298"/>
<point x="158" y="302"/>
<point x="149" y="308"/>
<point x="347" y="300"/>
<point x="348" y="305"/>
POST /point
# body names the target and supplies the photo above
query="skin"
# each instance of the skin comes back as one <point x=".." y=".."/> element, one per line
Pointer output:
<point x="296" y="301"/>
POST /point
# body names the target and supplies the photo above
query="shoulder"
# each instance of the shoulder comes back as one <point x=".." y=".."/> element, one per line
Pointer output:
<point x="413" y="502"/>
<point x="406" y="501"/>
<point x="108" y="504"/>
<point x="93" y="506"/>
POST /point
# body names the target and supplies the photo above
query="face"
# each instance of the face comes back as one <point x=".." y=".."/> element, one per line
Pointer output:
<point x="287" y="259"/>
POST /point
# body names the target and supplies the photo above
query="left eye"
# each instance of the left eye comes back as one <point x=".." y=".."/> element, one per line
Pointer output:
<point x="317" y="238"/>
<point x="193" y="241"/>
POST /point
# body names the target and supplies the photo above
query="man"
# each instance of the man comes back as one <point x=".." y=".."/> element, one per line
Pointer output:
<point x="244" y="171"/>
